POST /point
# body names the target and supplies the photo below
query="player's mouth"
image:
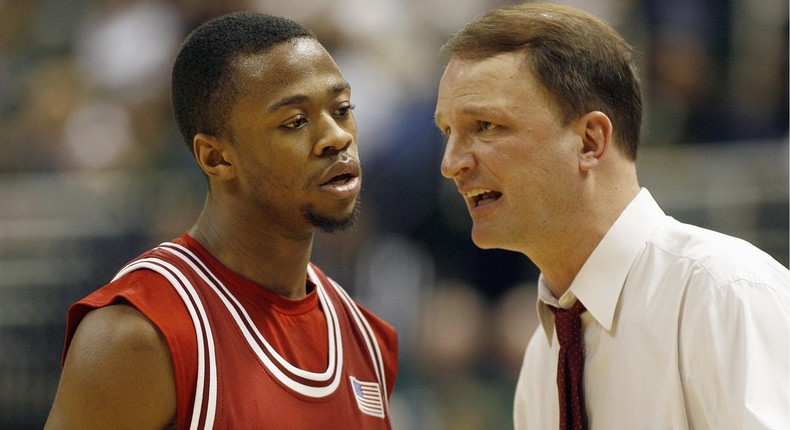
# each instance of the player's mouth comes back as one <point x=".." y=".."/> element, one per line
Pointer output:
<point x="343" y="180"/>
<point x="479" y="197"/>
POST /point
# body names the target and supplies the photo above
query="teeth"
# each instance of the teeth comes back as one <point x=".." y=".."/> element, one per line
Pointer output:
<point x="476" y="192"/>
<point x="341" y="178"/>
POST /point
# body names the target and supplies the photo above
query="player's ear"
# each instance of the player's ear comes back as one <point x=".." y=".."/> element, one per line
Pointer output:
<point x="214" y="156"/>
<point x="595" y="129"/>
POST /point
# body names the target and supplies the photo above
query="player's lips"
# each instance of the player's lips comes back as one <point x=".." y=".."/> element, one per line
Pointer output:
<point x="479" y="197"/>
<point x="342" y="179"/>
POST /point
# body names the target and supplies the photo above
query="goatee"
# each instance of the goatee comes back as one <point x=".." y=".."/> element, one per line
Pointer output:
<point x="331" y="225"/>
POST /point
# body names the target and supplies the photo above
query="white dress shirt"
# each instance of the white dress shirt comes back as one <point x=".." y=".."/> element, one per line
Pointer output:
<point x="686" y="329"/>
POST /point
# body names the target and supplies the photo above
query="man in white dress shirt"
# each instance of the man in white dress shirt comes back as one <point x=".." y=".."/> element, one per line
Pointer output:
<point x="684" y="327"/>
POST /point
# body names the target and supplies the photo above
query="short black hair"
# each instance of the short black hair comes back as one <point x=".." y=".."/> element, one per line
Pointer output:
<point x="202" y="87"/>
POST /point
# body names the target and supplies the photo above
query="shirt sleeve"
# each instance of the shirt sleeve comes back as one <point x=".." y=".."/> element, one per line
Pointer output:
<point x="735" y="357"/>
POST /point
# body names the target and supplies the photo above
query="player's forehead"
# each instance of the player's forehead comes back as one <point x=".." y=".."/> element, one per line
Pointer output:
<point x="301" y="68"/>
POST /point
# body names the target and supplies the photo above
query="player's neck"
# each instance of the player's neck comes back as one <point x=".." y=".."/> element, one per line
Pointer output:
<point x="273" y="261"/>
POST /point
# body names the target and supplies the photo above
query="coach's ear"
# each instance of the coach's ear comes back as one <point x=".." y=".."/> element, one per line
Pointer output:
<point x="214" y="156"/>
<point x="595" y="129"/>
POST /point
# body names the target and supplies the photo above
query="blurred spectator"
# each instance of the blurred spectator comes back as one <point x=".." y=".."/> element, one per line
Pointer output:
<point x="716" y="70"/>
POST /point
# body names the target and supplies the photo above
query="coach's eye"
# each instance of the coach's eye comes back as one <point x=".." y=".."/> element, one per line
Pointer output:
<point x="487" y="125"/>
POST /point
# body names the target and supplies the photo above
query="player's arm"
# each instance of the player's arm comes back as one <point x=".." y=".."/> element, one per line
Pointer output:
<point x="117" y="374"/>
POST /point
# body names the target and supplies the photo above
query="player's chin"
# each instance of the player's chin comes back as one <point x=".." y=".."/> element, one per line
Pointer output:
<point x="337" y="224"/>
<point x="336" y="221"/>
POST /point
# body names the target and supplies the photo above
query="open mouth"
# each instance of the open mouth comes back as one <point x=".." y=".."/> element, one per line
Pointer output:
<point x="343" y="178"/>
<point x="339" y="179"/>
<point x="343" y="186"/>
<point x="481" y="197"/>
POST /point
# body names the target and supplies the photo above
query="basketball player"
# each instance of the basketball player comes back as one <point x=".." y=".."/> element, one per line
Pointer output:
<point x="230" y="325"/>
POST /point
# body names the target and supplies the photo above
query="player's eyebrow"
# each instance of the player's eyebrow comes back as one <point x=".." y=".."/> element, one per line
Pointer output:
<point x="301" y="98"/>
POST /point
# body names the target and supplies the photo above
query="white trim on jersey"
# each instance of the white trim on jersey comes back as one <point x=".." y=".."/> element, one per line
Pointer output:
<point x="369" y="336"/>
<point x="245" y="325"/>
<point x="206" y="353"/>
<point x="206" y="386"/>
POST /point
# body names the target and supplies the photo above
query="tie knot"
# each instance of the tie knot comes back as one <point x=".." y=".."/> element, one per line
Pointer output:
<point x="568" y="323"/>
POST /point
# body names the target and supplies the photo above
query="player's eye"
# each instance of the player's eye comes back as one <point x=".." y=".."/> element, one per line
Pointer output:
<point x="297" y="123"/>
<point x="344" y="110"/>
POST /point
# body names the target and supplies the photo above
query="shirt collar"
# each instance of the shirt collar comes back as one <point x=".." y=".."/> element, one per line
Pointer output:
<point x="600" y="280"/>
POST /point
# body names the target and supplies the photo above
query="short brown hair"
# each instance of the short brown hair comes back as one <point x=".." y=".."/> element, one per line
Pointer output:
<point x="583" y="62"/>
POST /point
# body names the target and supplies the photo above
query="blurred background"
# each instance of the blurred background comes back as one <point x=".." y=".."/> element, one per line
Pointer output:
<point x="93" y="172"/>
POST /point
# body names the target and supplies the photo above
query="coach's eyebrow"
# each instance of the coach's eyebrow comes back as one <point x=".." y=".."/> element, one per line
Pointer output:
<point x="473" y="111"/>
<point x="481" y="111"/>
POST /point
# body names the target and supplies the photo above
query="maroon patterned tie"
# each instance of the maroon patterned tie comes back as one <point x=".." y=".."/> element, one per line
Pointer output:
<point x="570" y="366"/>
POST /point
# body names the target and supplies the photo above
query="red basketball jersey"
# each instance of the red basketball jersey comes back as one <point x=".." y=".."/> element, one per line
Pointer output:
<point x="247" y="358"/>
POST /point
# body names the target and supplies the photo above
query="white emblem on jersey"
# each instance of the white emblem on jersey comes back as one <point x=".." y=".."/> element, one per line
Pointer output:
<point x="369" y="398"/>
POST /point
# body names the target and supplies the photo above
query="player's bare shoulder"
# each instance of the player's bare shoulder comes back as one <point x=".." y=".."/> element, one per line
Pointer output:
<point x="121" y="325"/>
<point x="117" y="370"/>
